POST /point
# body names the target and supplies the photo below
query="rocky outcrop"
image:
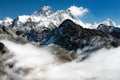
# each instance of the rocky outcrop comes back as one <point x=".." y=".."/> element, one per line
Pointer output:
<point x="111" y="30"/>
<point x="1" y="46"/>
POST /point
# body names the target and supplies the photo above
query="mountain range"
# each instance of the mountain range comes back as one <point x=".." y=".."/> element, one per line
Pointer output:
<point x="61" y="28"/>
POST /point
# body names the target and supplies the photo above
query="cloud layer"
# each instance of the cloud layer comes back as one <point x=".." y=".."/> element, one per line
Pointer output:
<point x="38" y="63"/>
<point x="78" y="11"/>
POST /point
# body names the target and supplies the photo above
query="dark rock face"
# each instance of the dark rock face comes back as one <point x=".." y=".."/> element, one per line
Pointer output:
<point x="19" y="32"/>
<point x="1" y="46"/>
<point x="76" y="36"/>
<point x="37" y="36"/>
<point x="72" y="37"/>
<point x="2" y="49"/>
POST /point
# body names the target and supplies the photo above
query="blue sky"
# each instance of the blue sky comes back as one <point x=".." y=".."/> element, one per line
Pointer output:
<point x="99" y="10"/>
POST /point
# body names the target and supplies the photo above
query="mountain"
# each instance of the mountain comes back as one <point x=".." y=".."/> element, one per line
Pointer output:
<point x="45" y="11"/>
<point x="45" y="27"/>
<point x="109" y="22"/>
<point x="73" y="36"/>
<point x="6" y="21"/>
<point x="67" y="37"/>
<point x="35" y="27"/>
<point x="44" y="17"/>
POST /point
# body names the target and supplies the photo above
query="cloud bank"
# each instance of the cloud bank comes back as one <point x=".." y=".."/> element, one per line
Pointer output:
<point x="38" y="63"/>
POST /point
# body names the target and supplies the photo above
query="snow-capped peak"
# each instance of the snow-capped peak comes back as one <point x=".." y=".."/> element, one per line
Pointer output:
<point x="45" y="18"/>
<point x="44" y="11"/>
<point x="6" y="21"/>
<point x="109" y="22"/>
<point x="46" y="8"/>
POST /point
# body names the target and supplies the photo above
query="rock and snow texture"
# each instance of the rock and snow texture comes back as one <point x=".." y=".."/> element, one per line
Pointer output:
<point x="109" y="22"/>
<point x="6" y="21"/>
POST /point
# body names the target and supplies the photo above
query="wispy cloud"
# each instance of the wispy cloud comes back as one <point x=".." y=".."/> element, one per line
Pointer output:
<point x="78" y="11"/>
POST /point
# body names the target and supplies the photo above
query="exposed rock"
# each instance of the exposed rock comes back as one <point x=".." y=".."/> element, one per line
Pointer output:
<point x="1" y="46"/>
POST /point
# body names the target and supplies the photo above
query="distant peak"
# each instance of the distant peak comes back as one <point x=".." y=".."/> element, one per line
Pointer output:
<point x="7" y="18"/>
<point x="44" y="11"/>
<point x="46" y="8"/>
<point x="109" y="22"/>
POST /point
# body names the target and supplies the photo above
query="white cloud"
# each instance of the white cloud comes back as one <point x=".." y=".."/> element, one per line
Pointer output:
<point x="39" y="63"/>
<point x="78" y="11"/>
